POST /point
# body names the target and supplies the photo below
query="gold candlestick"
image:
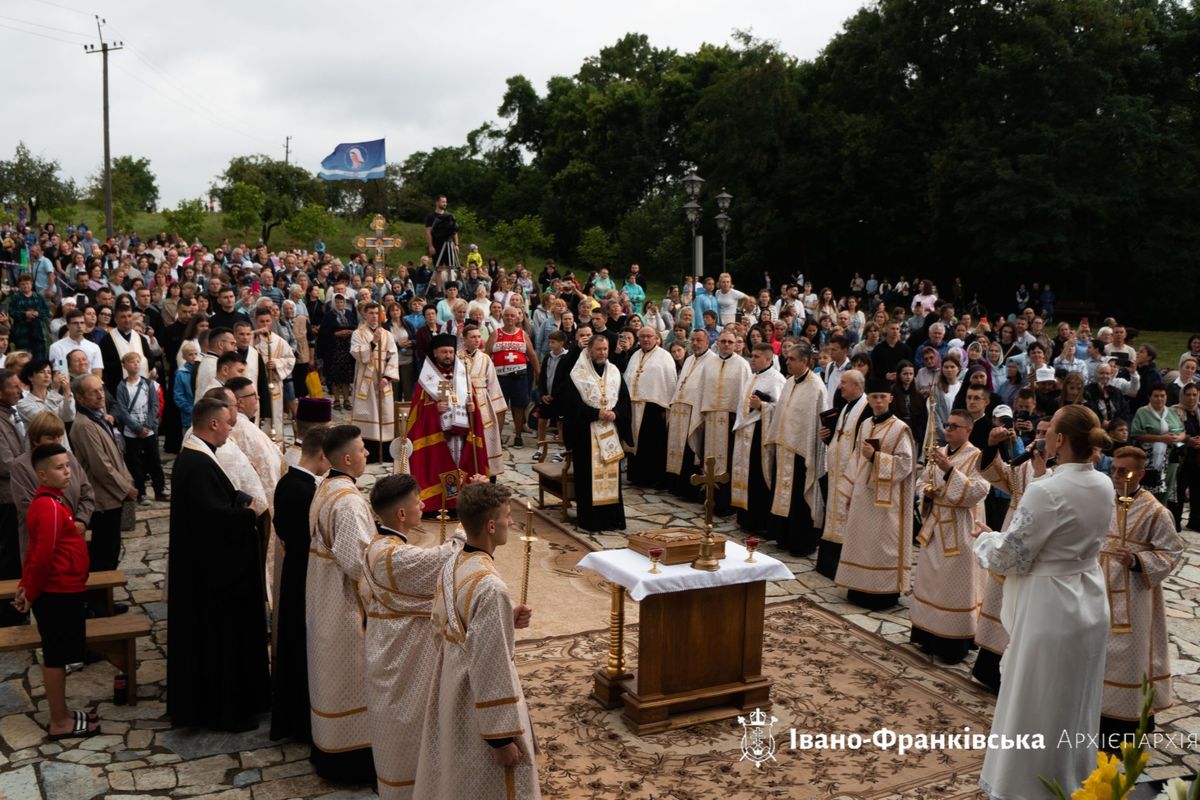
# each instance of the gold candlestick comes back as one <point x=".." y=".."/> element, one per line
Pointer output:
<point x="752" y="544"/>
<point x="616" y="633"/>
<point x="443" y="517"/>
<point x="1124" y="502"/>
<point x="528" y="539"/>
<point x="656" y="554"/>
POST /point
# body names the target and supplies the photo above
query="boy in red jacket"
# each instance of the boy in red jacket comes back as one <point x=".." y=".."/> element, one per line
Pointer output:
<point x="53" y="581"/>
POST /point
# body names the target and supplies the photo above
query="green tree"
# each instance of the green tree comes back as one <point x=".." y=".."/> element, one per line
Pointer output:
<point x="285" y="188"/>
<point x="243" y="205"/>
<point x="310" y="224"/>
<point x="134" y="184"/>
<point x="33" y="182"/>
<point x="522" y="237"/>
<point x="596" y="248"/>
<point x="187" y="219"/>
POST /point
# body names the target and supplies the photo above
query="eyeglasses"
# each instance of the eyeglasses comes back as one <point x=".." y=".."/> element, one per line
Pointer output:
<point x="247" y="396"/>
<point x="955" y="426"/>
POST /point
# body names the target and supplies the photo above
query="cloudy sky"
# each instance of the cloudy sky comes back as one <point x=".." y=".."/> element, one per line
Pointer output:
<point x="200" y="82"/>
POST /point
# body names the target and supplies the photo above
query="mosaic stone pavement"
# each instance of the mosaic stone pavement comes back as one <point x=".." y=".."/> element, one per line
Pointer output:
<point x="140" y="756"/>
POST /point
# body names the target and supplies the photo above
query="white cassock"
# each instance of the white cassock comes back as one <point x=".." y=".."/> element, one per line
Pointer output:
<point x="651" y="378"/>
<point x="206" y="374"/>
<point x="490" y="400"/>
<point x="476" y="694"/>
<point x="341" y="527"/>
<point x="402" y="575"/>
<point x="684" y="420"/>
<point x="724" y="384"/>
<point x="242" y="474"/>
<point x="264" y="456"/>
<point x="1055" y="608"/>
<point x="839" y="458"/>
<point x="272" y="347"/>
<point x="375" y="414"/>
<point x="770" y="382"/>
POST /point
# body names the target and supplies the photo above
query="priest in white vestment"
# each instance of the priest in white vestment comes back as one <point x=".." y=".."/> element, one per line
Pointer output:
<point x="948" y="583"/>
<point x="1136" y="560"/>
<point x="684" y="422"/>
<point x="279" y="360"/>
<point x="1012" y="479"/>
<point x="401" y="568"/>
<point x="1056" y="614"/>
<point x="796" y="449"/>
<point x="341" y="528"/>
<point x="376" y="365"/>
<point x="750" y="492"/>
<point x="478" y="739"/>
<point x="841" y="443"/>
<point x="725" y="379"/>
<point x="489" y="398"/>
<point x="875" y="491"/>
<point x="650" y="377"/>
<point x="220" y="342"/>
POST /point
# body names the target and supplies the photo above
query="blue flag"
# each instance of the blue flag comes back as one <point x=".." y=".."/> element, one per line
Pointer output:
<point x="355" y="161"/>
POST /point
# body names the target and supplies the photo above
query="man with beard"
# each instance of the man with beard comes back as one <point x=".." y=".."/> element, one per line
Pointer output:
<point x="725" y="378"/>
<point x="798" y="507"/>
<point x="650" y="378"/>
<point x="751" y="494"/>
<point x="684" y="422"/>
<point x="445" y="428"/>
<point x="596" y="408"/>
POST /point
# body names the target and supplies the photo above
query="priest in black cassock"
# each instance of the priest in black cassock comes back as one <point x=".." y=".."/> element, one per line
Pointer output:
<point x="217" y="672"/>
<point x="293" y="498"/>
<point x="596" y="412"/>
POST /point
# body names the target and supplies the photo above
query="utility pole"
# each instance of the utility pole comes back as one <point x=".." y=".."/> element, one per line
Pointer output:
<point x="104" y="50"/>
<point x="287" y="141"/>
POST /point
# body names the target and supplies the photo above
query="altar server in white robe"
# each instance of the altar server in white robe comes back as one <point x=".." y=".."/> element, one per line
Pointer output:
<point x="841" y="443"/>
<point x="401" y="568"/>
<point x="341" y="527"/>
<point x="478" y="740"/>
<point x="685" y="424"/>
<point x="725" y="379"/>
<point x="1056" y="614"/>
<point x="948" y="584"/>
<point x="220" y="342"/>
<point x="1136" y="561"/>
<point x="481" y="372"/>
<point x="278" y="358"/>
<point x="650" y="376"/>
<point x="751" y="493"/>
<point x="798" y="504"/>
<point x="376" y="365"/>
<point x="990" y="636"/>
<point x="875" y="491"/>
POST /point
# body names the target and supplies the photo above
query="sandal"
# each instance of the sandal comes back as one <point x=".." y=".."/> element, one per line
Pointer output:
<point x="80" y="731"/>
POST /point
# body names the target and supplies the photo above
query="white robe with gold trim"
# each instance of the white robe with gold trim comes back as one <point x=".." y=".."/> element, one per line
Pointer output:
<point x="948" y="584"/>
<point x="770" y="382"/>
<point x="401" y="650"/>
<point x="651" y="378"/>
<point x="368" y="404"/>
<point x="490" y="401"/>
<point x="839" y="458"/>
<point x="684" y="421"/>
<point x="476" y="694"/>
<point x="876" y="501"/>
<point x="272" y="347"/>
<point x="795" y="431"/>
<point x="340" y="527"/>
<point x="725" y="381"/>
<point x="989" y="631"/>
<point x="1137" y="641"/>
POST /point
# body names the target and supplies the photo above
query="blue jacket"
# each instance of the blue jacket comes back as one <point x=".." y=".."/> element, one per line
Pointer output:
<point x="183" y="395"/>
<point x="124" y="406"/>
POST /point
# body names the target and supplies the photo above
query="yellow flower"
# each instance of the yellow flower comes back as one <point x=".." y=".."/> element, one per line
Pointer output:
<point x="1098" y="785"/>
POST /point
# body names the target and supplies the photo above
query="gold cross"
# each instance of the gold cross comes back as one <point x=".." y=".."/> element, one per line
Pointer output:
<point x="379" y="243"/>
<point x="709" y="480"/>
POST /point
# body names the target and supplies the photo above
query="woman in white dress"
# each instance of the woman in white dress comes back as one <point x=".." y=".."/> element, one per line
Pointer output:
<point x="1056" y="613"/>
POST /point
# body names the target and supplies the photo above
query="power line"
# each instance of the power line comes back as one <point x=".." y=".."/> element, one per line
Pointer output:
<point x="39" y="35"/>
<point x="47" y="27"/>
<point x="64" y="8"/>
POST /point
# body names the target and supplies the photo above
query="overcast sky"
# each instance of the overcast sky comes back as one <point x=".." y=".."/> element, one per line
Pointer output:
<point x="200" y="82"/>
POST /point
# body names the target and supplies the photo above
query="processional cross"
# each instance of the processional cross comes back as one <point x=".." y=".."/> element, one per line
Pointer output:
<point x="709" y="480"/>
<point x="379" y="243"/>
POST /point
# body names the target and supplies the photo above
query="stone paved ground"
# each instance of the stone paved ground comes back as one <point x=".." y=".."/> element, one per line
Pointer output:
<point x="140" y="756"/>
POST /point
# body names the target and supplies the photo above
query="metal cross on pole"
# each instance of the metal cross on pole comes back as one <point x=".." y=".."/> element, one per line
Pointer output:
<point x="379" y="243"/>
<point x="709" y="480"/>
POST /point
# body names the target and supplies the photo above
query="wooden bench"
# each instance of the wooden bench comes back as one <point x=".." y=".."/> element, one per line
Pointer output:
<point x="557" y="480"/>
<point x="113" y="638"/>
<point x="107" y="581"/>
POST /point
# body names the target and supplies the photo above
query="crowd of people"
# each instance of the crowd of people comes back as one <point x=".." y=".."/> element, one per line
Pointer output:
<point x="852" y="425"/>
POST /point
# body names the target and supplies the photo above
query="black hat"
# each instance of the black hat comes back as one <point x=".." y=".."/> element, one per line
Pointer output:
<point x="879" y="386"/>
<point x="314" y="409"/>
<point x="443" y="340"/>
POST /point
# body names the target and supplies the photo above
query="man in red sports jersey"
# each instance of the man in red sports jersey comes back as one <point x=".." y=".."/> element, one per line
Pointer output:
<point x="513" y="355"/>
